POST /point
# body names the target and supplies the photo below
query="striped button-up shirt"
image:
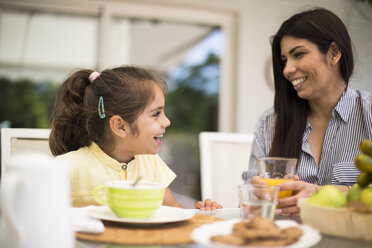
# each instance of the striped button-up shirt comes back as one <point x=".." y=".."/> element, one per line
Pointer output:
<point x="350" y="123"/>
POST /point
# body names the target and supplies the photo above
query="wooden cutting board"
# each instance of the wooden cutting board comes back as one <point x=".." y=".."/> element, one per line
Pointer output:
<point x="165" y="234"/>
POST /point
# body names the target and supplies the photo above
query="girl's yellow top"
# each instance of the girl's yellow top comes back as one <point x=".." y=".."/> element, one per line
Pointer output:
<point x="90" y="166"/>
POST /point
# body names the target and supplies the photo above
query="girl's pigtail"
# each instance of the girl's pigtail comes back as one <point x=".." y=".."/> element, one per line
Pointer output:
<point x="68" y="119"/>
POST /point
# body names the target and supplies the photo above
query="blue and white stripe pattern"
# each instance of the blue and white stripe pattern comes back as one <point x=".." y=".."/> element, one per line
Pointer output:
<point x="351" y="122"/>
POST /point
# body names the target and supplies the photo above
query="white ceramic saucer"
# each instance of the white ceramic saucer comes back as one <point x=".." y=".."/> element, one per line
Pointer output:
<point x="164" y="214"/>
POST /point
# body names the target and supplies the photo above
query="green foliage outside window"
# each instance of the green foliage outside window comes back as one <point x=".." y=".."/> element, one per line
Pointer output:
<point x="368" y="1"/>
<point x="26" y="104"/>
<point x="189" y="106"/>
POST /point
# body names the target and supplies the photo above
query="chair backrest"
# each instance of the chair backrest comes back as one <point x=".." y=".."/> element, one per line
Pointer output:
<point x="19" y="140"/>
<point x="224" y="157"/>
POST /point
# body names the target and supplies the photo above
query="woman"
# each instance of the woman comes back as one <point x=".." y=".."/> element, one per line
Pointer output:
<point x="316" y="118"/>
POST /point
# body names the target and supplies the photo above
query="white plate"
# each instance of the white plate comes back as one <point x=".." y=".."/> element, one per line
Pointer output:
<point x="202" y="234"/>
<point x="223" y="213"/>
<point x="164" y="214"/>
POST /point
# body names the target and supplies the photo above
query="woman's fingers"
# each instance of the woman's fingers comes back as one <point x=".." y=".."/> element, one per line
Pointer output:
<point x="288" y="201"/>
<point x="288" y="211"/>
<point x="257" y="180"/>
<point x="292" y="185"/>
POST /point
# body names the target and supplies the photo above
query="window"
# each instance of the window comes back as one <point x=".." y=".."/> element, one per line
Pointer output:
<point x="43" y="43"/>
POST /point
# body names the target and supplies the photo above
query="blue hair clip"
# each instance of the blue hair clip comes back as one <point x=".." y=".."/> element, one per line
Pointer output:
<point x="101" y="108"/>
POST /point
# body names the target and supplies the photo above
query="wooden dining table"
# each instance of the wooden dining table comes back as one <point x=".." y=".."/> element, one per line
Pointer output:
<point x="327" y="241"/>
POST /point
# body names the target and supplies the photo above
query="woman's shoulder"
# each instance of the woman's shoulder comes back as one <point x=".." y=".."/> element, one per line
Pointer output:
<point x="365" y="96"/>
<point x="266" y="121"/>
<point x="269" y="112"/>
<point x="359" y="100"/>
<point x="267" y="116"/>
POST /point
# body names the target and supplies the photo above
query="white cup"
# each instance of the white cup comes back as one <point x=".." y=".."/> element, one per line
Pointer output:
<point x="35" y="203"/>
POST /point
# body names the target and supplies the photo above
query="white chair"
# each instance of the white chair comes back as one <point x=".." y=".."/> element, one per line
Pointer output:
<point x="224" y="157"/>
<point x="19" y="140"/>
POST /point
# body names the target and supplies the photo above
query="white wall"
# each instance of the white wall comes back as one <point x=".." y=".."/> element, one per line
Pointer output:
<point x="257" y="21"/>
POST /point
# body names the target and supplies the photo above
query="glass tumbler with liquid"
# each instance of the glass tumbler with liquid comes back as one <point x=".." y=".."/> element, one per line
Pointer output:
<point x="257" y="200"/>
<point x="277" y="170"/>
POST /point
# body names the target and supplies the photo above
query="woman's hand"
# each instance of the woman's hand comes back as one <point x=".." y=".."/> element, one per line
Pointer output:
<point x="257" y="180"/>
<point x="207" y="205"/>
<point x="300" y="189"/>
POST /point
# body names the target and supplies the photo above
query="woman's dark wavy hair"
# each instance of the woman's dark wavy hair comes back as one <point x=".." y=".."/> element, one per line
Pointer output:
<point x="75" y="121"/>
<point x="321" y="27"/>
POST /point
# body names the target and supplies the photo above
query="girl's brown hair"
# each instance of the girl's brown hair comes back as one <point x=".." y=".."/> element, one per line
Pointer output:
<point x="75" y="121"/>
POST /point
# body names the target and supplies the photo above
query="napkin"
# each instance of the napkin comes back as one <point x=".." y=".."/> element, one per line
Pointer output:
<point x="82" y="222"/>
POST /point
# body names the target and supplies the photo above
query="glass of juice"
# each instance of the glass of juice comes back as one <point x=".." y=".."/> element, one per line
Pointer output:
<point x="277" y="170"/>
<point x="257" y="200"/>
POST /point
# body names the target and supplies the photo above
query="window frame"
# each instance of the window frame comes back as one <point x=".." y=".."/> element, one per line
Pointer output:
<point x="105" y="10"/>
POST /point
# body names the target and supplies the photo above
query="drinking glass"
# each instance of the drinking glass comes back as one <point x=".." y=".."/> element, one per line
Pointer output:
<point x="276" y="170"/>
<point x="257" y="200"/>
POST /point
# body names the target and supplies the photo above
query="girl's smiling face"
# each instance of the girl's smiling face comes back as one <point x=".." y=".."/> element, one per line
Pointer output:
<point x="310" y="72"/>
<point x="151" y="125"/>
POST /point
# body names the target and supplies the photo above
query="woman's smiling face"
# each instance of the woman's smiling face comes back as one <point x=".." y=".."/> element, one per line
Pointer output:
<point x="309" y="71"/>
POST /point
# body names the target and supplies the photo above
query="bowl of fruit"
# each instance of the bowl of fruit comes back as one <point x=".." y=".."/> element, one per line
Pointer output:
<point x="345" y="215"/>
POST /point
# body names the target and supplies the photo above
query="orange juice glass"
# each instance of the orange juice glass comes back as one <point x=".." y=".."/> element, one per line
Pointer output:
<point x="277" y="170"/>
<point x="276" y="181"/>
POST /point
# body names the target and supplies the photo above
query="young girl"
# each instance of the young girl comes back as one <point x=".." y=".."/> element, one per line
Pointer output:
<point x="109" y="127"/>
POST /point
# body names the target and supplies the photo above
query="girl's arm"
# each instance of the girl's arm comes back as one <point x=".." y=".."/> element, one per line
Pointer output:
<point x="169" y="199"/>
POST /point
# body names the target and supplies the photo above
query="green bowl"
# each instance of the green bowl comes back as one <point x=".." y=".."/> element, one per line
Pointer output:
<point x="126" y="201"/>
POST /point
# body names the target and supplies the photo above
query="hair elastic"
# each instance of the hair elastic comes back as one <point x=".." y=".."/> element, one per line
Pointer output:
<point x="93" y="76"/>
<point x="101" y="108"/>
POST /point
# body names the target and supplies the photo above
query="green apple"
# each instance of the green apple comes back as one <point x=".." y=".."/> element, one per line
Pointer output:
<point x="354" y="193"/>
<point x="328" y="196"/>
